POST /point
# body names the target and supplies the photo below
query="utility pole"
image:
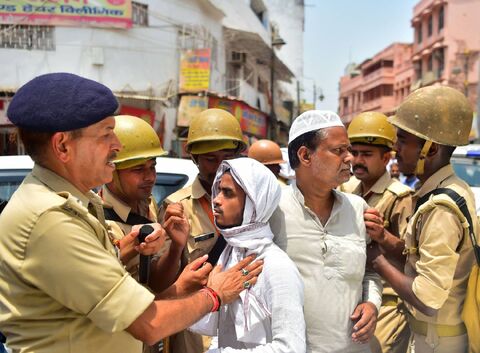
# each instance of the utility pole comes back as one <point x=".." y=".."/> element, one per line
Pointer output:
<point x="298" y="97"/>
<point x="314" y="95"/>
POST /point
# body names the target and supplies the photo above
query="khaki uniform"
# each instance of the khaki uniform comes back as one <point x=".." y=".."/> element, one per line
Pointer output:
<point x="62" y="288"/>
<point x="149" y="210"/>
<point x="440" y="259"/>
<point x="120" y="229"/>
<point x="201" y="240"/>
<point x="394" y="201"/>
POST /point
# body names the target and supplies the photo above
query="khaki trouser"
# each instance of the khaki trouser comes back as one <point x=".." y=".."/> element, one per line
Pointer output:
<point x="392" y="334"/>
<point x="189" y="342"/>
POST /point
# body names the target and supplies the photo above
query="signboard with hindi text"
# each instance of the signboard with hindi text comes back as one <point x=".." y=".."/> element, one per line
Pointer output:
<point x="98" y="13"/>
<point x="189" y="107"/>
<point x="194" y="70"/>
<point x="252" y="121"/>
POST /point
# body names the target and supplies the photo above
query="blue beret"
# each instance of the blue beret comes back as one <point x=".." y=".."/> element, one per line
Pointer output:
<point x="61" y="102"/>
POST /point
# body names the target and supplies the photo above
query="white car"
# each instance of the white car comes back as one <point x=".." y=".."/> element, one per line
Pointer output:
<point x="466" y="163"/>
<point x="172" y="175"/>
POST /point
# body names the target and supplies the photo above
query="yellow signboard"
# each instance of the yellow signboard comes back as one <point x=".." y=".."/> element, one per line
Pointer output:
<point x="189" y="107"/>
<point x="195" y="70"/>
<point x="103" y="13"/>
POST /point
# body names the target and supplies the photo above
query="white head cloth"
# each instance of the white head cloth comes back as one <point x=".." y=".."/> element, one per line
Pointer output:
<point x="313" y="120"/>
<point x="285" y="170"/>
<point x="262" y="198"/>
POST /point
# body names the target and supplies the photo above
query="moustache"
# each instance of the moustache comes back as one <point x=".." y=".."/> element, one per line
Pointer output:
<point x="359" y="166"/>
<point x="112" y="156"/>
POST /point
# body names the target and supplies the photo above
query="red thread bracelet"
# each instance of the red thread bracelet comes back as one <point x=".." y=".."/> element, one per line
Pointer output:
<point x="217" y="302"/>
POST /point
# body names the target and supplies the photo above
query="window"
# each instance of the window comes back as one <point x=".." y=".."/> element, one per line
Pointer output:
<point x="198" y="37"/>
<point x="27" y="37"/>
<point x="419" y="33"/>
<point x="441" y="15"/>
<point x="139" y="14"/>
<point x="430" y="63"/>
<point x="440" y="55"/>
<point x="430" y="25"/>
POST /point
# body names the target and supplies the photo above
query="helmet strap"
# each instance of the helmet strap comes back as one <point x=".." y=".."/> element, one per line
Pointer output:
<point x="420" y="169"/>
<point x="116" y="182"/>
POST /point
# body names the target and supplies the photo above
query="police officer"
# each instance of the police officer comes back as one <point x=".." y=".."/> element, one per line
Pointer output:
<point x="431" y="122"/>
<point x="372" y="138"/>
<point x="214" y="135"/>
<point x="269" y="154"/>
<point x="62" y="287"/>
<point x="129" y="201"/>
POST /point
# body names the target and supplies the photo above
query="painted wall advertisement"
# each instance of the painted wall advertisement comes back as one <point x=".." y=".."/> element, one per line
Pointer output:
<point x="194" y="70"/>
<point x="98" y="13"/>
<point x="189" y="107"/>
<point x="252" y="121"/>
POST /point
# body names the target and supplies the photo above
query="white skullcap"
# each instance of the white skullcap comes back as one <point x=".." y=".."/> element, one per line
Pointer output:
<point x="313" y="120"/>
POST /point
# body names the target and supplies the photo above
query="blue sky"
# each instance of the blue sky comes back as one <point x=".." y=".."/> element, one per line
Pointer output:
<point x="340" y="31"/>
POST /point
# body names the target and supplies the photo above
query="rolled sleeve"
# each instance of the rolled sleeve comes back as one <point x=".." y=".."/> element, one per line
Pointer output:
<point x="372" y="288"/>
<point x="109" y="314"/>
<point x="440" y="236"/>
<point x="70" y="262"/>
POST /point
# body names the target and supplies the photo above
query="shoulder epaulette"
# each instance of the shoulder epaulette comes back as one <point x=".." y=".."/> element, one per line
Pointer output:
<point x="399" y="189"/>
<point x="72" y="204"/>
<point x="179" y="195"/>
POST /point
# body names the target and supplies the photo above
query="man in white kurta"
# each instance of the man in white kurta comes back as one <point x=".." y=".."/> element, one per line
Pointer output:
<point x="323" y="232"/>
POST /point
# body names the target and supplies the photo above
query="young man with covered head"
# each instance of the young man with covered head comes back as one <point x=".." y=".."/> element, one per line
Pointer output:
<point x="323" y="232"/>
<point x="214" y="135"/>
<point x="268" y="317"/>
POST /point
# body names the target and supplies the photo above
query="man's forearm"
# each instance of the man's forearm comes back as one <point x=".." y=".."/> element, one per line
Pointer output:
<point x="401" y="283"/>
<point x="166" y="317"/>
<point x="393" y="247"/>
<point x="165" y="270"/>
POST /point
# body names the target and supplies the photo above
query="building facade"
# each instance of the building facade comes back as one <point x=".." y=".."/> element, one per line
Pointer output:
<point x="164" y="60"/>
<point x="446" y="44"/>
<point x="377" y="84"/>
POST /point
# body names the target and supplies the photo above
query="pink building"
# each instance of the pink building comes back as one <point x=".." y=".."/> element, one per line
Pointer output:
<point x="377" y="84"/>
<point x="447" y="44"/>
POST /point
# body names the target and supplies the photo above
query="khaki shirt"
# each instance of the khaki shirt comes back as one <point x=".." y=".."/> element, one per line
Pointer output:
<point x="203" y="235"/>
<point x="444" y="258"/>
<point x="393" y="200"/>
<point x="118" y="230"/>
<point x="201" y="240"/>
<point x="62" y="289"/>
<point x="389" y="197"/>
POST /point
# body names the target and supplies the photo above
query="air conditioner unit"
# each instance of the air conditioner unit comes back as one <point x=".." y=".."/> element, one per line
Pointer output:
<point x="237" y="57"/>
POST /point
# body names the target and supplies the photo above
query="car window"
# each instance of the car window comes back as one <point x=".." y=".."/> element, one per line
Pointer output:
<point x="10" y="180"/>
<point x="168" y="183"/>
<point x="467" y="169"/>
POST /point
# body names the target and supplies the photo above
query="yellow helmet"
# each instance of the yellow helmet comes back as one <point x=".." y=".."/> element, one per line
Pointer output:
<point x="214" y="130"/>
<point x="436" y="113"/>
<point x="139" y="142"/>
<point x="372" y="128"/>
<point x="266" y="152"/>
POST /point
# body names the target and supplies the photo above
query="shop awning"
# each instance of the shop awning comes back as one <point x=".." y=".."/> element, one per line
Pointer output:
<point x="250" y="42"/>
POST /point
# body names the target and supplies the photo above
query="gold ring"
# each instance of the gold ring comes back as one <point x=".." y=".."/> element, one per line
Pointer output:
<point x="246" y="285"/>
<point x="245" y="271"/>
